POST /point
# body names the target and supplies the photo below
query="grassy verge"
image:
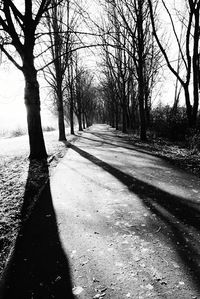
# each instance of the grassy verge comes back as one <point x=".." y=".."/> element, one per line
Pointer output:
<point x="177" y="153"/>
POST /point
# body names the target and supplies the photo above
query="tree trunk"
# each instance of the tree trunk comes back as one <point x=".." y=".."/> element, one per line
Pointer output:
<point x="61" y="122"/>
<point x="147" y="108"/>
<point x="112" y="113"/>
<point x="124" y="117"/>
<point x="79" y="114"/>
<point x="141" y="62"/>
<point x="143" y="136"/>
<point x="116" y="115"/>
<point x="32" y="102"/>
<point x="86" y="120"/>
<point x="83" y="121"/>
<point x="196" y="67"/>
<point x="72" y="114"/>
<point x="80" y="128"/>
<point x="188" y="106"/>
<point x="70" y="82"/>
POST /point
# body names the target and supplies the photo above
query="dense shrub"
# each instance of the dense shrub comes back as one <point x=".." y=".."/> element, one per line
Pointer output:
<point x="168" y="123"/>
<point x="18" y="132"/>
<point x="48" y="129"/>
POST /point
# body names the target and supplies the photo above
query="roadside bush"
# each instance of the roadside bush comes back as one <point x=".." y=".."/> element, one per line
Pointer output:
<point x="48" y="129"/>
<point x="168" y="123"/>
<point x="18" y="132"/>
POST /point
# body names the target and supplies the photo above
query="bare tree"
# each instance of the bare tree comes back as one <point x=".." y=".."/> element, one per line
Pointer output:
<point x="82" y="93"/>
<point x="19" y="24"/>
<point x="59" y="41"/>
<point x="189" y="55"/>
<point x="71" y="92"/>
<point x="62" y="21"/>
<point x="65" y="39"/>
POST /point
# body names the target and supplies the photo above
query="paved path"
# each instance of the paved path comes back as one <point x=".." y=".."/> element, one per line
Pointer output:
<point x="128" y="221"/>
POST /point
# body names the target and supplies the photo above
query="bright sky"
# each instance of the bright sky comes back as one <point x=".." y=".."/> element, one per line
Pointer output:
<point x="12" y="109"/>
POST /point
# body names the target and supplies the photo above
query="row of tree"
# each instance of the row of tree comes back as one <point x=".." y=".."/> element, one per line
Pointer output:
<point x="70" y="82"/>
<point x="130" y="64"/>
<point x="133" y="52"/>
<point x="42" y="36"/>
<point x="45" y="36"/>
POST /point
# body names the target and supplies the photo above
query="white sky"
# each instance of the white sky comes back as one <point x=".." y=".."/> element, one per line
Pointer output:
<point x="12" y="108"/>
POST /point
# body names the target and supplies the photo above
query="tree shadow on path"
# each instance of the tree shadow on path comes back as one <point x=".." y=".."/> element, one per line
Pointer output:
<point x="119" y="144"/>
<point x="38" y="267"/>
<point x="126" y="145"/>
<point x="178" y="213"/>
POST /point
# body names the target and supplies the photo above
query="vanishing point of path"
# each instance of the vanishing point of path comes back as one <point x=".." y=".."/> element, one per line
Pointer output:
<point x="129" y="222"/>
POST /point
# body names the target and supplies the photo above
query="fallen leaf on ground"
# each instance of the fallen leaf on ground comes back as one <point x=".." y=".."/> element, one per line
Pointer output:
<point x="181" y="283"/>
<point x="163" y="283"/>
<point x="149" y="287"/>
<point x="99" y="295"/>
<point x="95" y="279"/>
<point x="176" y="266"/>
<point x="124" y="242"/>
<point x="156" y="274"/>
<point x="103" y="290"/>
<point x="195" y="191"/>
<point x="58" y="278"/>
<point x="84" y="263"/>
<point x="144" y="250"/>
<point x="77" y="290"/>
<point x="118" y="264"/>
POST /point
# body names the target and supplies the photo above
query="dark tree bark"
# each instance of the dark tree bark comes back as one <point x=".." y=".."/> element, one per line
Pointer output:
<point x="71" y="111"/>
<point x="61" y="122"/>
<point x="79" y="106"/>
<point x="32" y="102"/>
<point x="80" y="128"/>
<point x="84" y="123"/>
<point x="124" y="116"/>
<point x="71" y="93"/>
<point x="116" y="115"/>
